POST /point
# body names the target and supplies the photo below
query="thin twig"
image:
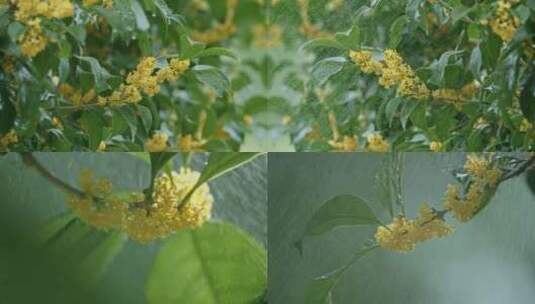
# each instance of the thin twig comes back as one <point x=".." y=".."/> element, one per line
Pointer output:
<point x="30" y="161"/>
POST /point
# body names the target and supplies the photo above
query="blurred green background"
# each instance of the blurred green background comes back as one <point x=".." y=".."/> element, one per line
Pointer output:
<point x="30" y="273"/>
<point x="488" y="260"/>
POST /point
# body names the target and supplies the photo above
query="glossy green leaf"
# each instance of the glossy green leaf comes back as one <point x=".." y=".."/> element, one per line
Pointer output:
<point x="212" y="77"/>
<point x="350" y="39"/>
<point x="216" y="263"/>
<point x="527" y="97"/>
<point x="100" y="74"/>
<point x="339" y="211"/>
<point x="326" y="68"/>
<point x="96" y="263"/>
<point x="322" y="42"/>
<point x="396" y="31"/>
<point x="219" y="164"/>
<point x="216" y="51"/>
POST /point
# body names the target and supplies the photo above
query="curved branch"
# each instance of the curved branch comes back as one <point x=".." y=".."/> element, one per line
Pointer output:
<point x="30" y="161"/>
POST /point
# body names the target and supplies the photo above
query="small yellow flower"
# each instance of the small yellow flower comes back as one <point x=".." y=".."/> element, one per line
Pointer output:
<point x="485" y="178"/>
<point x="33" y="41"/>
<point x="376" y="143"/>
<point x="157" y="143"/>
<point x="102" y="146"/>
<point x="248" y="120"/>
<point x="436" y="146"/>
<point x="8" y="139"/>
<point x="403" y="234"/>
<point x="169" y="212"/>
<point x="347" y="144"/>
<point x="286" y="120"/>
<point x="505" y="24"/>
<point x="187" y="143"/>
<point x="525" y="126"/>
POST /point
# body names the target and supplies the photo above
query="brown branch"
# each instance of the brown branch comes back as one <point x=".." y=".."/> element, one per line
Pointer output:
<point x="30" y="161"/>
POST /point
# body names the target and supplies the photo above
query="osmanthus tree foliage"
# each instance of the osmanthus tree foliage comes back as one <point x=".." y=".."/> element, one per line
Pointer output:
<point x="197" y="259"/>
<point x="418" y="75"/>
<point x="125" y="75"/>
<point x="476" y="184"/>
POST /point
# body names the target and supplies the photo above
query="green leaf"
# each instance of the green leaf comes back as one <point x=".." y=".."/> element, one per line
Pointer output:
<point x="189" y="48"/>
<point x="322" y="42"/>
<point x="459" y="12"/>
<point x="339" y="211"/>
<point x="326" y="68"/>
<point x="95" y="264"/>
<point x="439" y="67"/>
<point x="212" y="77"/>
<point x="121" y="18"/>
<point x="145" y="115"/>
<point x="216" y="51"/>
<point x="7" y="109"/>
<point x="53" y="228"/>
<point x="396" y="31"/>
<point x="391" y="108"/>
<point x="77" y="32"/>
<point x="475" y="62"/>
<point x="157" y="162"/>
<point x="216" y="263"/>
<point x="15" y="29"/>
<point x="219" y="164"/>
<point x="530" y="180"/>
<point x="473" y="32"/>
<point x="350" y="39"/>
<point x="527" y="97"/>
<point x="490" y="50"/>
<point x="100" y="74"/>
<point x="141" y="19"/>
<point x="419" y="115"/>
<point x="91" y="123"/>
<point x="144" y="156"/>
<point x="320" y="290"/>
<point x="166" y="13"/>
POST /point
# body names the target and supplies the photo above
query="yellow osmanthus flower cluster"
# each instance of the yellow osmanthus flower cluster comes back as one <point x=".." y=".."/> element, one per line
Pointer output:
<point x="345" y="144"/>
<point x="436" y="146"/>
<point x="157" y="143"/>
<point x="403" y="234"/>
<point x="505" y="24"/>
<point x="169" y="213"/>
<point x="485" y="178"/>
<point x="525" y="126"/>
<point x="33" y="41"/>
<point x="267" y="36"/>
<point x="376" y="143"/>
<point x="145" y="79"/>
<point x="341" y="143"/>
<point x="221" y="31"/>
<point x="165" y="213"/>
<point x="76" y="97"/>
<point x="97" y="206"/>
<point x="457" y="97"/>
<point x="29" y="12"/>
<point x="194" y="143"/>
<point x="8" y="139"/>
<point x="394" y="72"/>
